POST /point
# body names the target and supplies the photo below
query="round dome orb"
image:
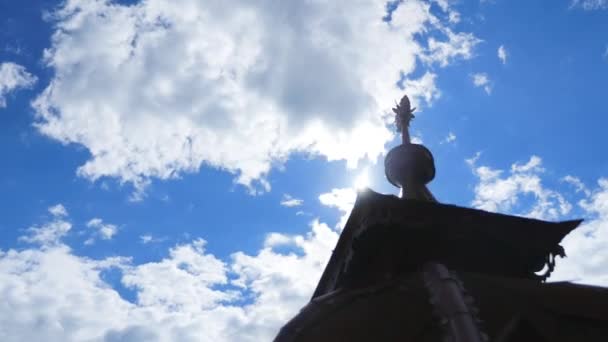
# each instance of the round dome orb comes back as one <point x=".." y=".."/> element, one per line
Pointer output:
<point x="409" y="164"/>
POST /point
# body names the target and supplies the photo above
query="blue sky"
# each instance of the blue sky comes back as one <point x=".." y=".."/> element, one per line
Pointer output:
<point x="184" y="167"/>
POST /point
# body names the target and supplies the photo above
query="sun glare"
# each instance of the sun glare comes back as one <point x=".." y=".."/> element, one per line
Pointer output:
<point x="362" y="181"/>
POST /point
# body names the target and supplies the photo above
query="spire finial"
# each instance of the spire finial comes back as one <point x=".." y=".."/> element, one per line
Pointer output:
<point x="404" y="113"/>
<point x="409" y="166"/>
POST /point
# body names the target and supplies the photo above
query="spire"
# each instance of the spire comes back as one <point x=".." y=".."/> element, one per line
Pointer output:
<point x="403" y="115"/>
<point x="409" y="166"/>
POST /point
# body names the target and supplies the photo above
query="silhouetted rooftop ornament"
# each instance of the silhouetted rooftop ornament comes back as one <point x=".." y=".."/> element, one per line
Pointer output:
<point x="412" y="269"/>
<point x="404" y="114"/>
<point x="409" y="166"/>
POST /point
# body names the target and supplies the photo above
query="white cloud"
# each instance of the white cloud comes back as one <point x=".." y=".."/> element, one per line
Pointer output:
<point x="587" y="259"/>
<point x="277" y="239"/>
<point x="454" y="17"/>
<point x="417" y="139"/>
<point x="342" y="199"/>
<point x="50" y="233"/>
<point x="449" y="139"/>
<point x="444" y="5"/>
<point x="58" y="210"/>
<point x="51" y="294"/>
<point x="471" y="161"/>
<point x="181" y="282"/>
<point x="577" y="183"/>
<point x="13" y="76"/>
<point x="162" y="87"/>
<point x="606" y="53"/>
<point x="502" y="54"/>
<point x="459" y="45"/>
<point x="147" y="238"/>
<point x="533" y="165"/>
<point x="424" y="87"/>
<point x="498" y="192"/>
<point x="104" y="230"/>
<point x="590" y="5"/>
<point x="289" y="201"/>
<point x="283" y="283"/>
<point x="482" y="80"/>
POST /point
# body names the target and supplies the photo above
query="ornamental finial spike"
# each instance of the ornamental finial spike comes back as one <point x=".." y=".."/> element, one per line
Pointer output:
<point x="409" y="166"/>
<point x="404" y="113"/>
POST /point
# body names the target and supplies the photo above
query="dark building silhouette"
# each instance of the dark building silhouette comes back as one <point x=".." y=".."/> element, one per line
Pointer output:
<point x="411" y="269"/>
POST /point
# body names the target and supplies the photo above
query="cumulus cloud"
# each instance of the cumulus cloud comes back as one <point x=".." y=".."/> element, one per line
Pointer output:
<point x="58" y="210"/>
<point x="50" y="233"/>
<point x="13" y="76"/>
<point x="181" y="282"/>
<point x="500" y="192"/>
<point x="502" y="54"/>
<point x="289" y="201"/>
<point x="449" y="139"/>
<point x="417" y="139"/>
<point x="587" y="257"/>
<point x="533" y="165"/>
<point x="283" y="283"/>
<point x="103" y="230"/>
<point x="577" y="183"/>
<point x="161" y="87"/>
<point x="423" y="87"/>
<point x="590" y="5"/>
<point x="483" y="81"/>
<point x="51" y="294"/>
<point x="458" y="45"/>
<point x="454" y="17"/>
<point x="444" y="5"/>
<point x="342" y="199"/>
<point x="148" y="238"/>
